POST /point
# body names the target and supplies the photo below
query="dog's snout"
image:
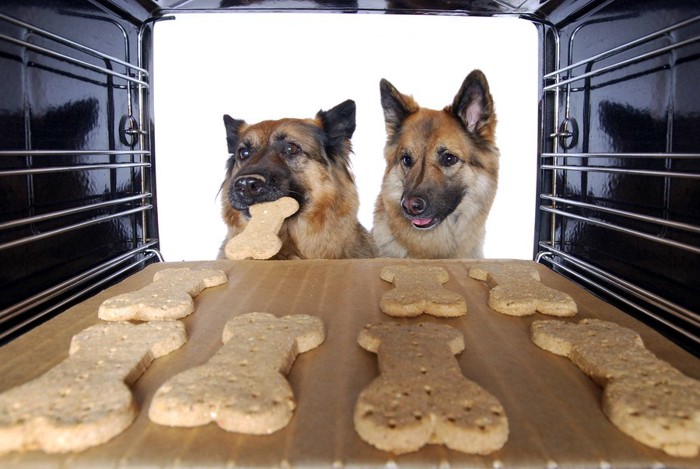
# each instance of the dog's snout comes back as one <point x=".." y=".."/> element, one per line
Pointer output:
<point x="414" y="206"/>
<point x="249" y="186"/>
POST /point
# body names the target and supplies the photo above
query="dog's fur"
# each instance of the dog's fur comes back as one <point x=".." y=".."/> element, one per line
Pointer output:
<point x="441" y="174"/>
<point x="309" y="160"/>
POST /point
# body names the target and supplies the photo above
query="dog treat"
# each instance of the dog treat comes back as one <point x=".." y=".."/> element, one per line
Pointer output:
<point x="418" y="289"/>
<point x="85" y="400"/>
<point x="169" y="296"/>
<point x="259" y="239"/>
<point x="242" y="387"/>
<point x="645" y="397"/>
<point x="421" y="395"/>
<point x="516" y="290"/>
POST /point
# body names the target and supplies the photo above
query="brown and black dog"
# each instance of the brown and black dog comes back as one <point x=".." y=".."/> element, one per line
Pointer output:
<point x="441" y="174"/>
<point x="308" y="160"/>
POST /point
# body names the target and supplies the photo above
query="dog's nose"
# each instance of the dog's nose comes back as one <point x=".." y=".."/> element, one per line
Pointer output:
<point x="413" y="205"/>
<point x="248" y="186"/>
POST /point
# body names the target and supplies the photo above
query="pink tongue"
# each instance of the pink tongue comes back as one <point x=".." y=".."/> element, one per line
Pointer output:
<point x="421" y="221"/>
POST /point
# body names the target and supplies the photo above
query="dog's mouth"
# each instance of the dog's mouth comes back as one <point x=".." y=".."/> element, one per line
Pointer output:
<point x="424" y="223"/>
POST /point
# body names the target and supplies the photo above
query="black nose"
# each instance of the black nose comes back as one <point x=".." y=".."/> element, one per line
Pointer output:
<point x="413" y="205"/>
<point x="248" y="186"/>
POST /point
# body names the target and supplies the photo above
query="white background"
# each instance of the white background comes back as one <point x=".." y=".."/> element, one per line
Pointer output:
<point x="268" y="66"/>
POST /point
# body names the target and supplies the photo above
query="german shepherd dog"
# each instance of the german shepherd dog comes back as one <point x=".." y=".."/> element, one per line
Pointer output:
<point x="441" y="174"/>
<point x="308" y="160"/>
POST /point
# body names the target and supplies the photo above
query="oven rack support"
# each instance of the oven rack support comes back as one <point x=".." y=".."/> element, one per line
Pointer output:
<point x="101" y="213"/>
<point x="590" y="228"/>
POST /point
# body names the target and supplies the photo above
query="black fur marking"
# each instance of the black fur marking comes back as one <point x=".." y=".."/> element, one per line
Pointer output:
<point x="338" y="125"/>
<point x="233" y="128"/>
<point x="439" y="204"/>
<point x="395" y="110"/>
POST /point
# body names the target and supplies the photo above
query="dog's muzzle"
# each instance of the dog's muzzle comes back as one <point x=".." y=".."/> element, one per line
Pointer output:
<point x="415" y="209"/>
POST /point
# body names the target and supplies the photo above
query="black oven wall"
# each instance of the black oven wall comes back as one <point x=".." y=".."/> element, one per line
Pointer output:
<point x="75" y="167"/>
<point x="621" y="179"/>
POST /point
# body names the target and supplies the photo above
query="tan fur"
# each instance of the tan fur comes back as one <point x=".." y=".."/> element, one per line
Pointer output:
<point x="423" y="133"/>
<point x="326" y="225"/>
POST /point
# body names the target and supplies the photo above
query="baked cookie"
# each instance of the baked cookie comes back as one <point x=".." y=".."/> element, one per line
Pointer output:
<point x="516" y="290"/>
<point x="242" y="387"/>
<point x="169" y="296"/>
<point x="643" y="396"/>
<point x="85" y="400"/>
<point x="421" y="395"/>
<point x="259" y="239"/>
<point x="418" y="290"/>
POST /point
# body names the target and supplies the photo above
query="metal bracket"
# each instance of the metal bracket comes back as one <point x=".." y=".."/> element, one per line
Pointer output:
<point x="129" y="130"/>
<point x="568" y="133"/>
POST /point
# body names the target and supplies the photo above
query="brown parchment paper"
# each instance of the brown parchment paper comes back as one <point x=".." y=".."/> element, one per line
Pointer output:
<point x="553" y="409"/>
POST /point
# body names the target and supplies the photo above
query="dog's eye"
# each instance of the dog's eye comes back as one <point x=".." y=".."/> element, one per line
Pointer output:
<point x="448" y="159"/>
<point x="243" y="153"/>
<point x="291" y="149"/>
<point x="407" y="161"/>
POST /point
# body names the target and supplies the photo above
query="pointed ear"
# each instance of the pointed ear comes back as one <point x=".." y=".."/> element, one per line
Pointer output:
<point x="339" y="122"/>
<point x="233" y="129"/>
<point x="473" y="106"/>
<point x="396" y="107"/>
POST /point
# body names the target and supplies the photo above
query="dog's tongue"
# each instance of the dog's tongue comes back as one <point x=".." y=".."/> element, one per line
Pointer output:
<point x="421" y="221"/>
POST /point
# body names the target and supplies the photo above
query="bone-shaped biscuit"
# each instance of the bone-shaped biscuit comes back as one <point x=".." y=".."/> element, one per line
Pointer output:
<point x="242" y="387"/>
<point x="645" y="397"/>
<point x="421" y="395"/>
<point x="516" y="290"/>
<point x="85" y="400"/>
<point x="259" y="239"/>
<point x="169" y="296"/>
<point x="417" y="290"/>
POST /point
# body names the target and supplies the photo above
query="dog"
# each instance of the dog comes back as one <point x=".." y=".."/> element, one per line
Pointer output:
<point x="308" y="160"/>
<point x="441" y="174"/>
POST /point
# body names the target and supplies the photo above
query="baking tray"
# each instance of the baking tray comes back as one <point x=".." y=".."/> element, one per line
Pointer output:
<point x="554" y="410"/>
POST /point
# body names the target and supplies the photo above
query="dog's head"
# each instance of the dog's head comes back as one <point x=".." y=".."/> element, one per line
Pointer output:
<point x="286" y="157"/>
<point x="436" y="158"/>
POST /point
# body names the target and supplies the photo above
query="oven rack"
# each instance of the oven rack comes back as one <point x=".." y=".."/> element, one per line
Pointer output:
<point x="577" y="174"/>
<point x="121" y="163"/>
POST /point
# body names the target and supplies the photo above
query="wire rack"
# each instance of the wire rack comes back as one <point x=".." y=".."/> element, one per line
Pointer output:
<point x="75" y="179"/>
<point x="619" y="167"/>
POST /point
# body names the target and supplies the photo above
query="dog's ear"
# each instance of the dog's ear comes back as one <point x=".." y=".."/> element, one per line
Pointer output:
<point x="338" y="124"/>
<point x="396" y="107"/>
<point x="473" y="106"/>
<point x="233" y="129"/>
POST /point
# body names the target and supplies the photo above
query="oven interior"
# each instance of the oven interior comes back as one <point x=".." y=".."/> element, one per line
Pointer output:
<point x="618" y="148"/>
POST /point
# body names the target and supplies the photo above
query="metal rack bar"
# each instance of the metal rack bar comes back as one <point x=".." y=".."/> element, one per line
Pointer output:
<point x="623" y="63"/>
<point x="72" y="211"/>
<point x="91" y="277"/>
<point x="72" y="44"/>
<point x="72" y="60"/>
<point x="612" y="226"/>
<point x="76" y="226"/>
<point x="623" y="47"/>
<point x="661" y="156"/>
<point x="607" y="169"/>
<point x="616" y="50"/>
<point x="63" y="169"/>
<point x="623" y="213"/>
<point x="633" y="290"/>
<point x="71" y="152"/>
